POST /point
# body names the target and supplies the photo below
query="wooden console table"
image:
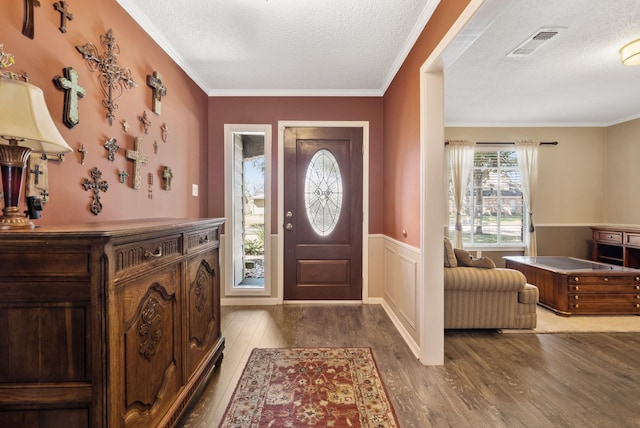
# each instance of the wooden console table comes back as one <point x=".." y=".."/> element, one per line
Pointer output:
<point x="575" y="286"/>
<point x="616" y="246"/>
<point x="108" y="325"/>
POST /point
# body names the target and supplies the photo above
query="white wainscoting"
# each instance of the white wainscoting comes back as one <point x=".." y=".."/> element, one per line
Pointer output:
<point x="401" y="272"/>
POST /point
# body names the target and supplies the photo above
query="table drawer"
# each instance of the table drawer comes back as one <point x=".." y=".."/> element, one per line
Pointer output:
<point x="610" y="288"/>
<point x="609" y="237"/>
<point x="604" y="280"/>
<point x="632" y="239"/>
<point x="602" y="304"/>
<point x="143" y="253"/>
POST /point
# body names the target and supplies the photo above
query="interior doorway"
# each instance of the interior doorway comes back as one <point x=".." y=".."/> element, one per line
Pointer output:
<point x="247" y="166"/>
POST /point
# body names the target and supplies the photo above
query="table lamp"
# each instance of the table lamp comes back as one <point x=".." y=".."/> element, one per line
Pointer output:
<point x="25" y="126"/>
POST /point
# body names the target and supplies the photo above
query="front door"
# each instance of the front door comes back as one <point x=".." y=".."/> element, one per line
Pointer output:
<point x="323" y="214"/>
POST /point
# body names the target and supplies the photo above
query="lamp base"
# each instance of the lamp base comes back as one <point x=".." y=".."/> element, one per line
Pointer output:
<point x="12" y="218"/>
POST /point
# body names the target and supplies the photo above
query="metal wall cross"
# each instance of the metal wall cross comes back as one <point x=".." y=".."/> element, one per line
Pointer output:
<point x="159" y="90"/>
<point x="37" y="172"/>
<point x="72" y="92"/>
<point x="138" y="159"/>
<point x="28" y="23"/>
<point x="61" y="7"/>
<point x="96" y="185"/>
<point x="114" y="80"/>
<point x="112" y="148"/>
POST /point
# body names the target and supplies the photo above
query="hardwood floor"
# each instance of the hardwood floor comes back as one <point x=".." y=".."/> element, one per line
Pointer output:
<point x="488" y="379"/>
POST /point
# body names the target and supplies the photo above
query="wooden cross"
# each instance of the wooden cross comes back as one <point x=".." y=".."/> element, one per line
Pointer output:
<point x="159" y="90"/>
<point x="144" y="120"/>
<point x="72" y="92"/>
<point x="29" y="17"/>
<point x="83" y="153"/>
<point x="112" y="147"/>
<point x="37" y="173"/>
<point x="114" y="80"/>
<point x="96" y="185"/>
<point x="61" y="7"/>
<point x="138" y="159"/>
<point x="167" y="175"/>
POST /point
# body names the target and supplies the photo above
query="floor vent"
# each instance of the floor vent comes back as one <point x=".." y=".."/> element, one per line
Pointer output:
<point x="533" y="42"/>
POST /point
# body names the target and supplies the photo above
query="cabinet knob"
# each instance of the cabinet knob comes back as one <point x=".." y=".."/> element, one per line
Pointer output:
<point x="606" y="279"/>
<point x="637" y="305"/>
<point x="204" y="239"/>
<point x="576" y="297"/>
<point x="576" y="279"/>
<point x="576" y="288"/>
<point x="576" y="306"/>
<point x="637" y="287"/>
<point x="637" y="278"/>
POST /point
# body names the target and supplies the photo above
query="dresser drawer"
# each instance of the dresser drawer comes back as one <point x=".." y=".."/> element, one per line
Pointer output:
<point x="202" y="238"/>
<point x="604" y="280"/>
<point x="144" y="253"/>
<point x="609" y="237"/>
<point x="632" y="239"/>
<point x="600" y="303"/>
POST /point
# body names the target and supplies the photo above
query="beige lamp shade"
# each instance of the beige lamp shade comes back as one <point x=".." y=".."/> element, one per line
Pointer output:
<point x="24" y="116"/>
<point x="630" y="53"/>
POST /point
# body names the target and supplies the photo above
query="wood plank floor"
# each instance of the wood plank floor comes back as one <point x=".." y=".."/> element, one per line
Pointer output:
<point x="488" y="379"/>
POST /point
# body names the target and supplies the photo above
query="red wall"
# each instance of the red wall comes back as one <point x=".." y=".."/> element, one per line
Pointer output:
<point x="183" y="110"/>
<point x="401" y="186"/>
<point x="269" y="110"/>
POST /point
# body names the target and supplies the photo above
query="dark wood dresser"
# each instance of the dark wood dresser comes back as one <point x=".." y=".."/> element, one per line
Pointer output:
<point x="109" y="324"/>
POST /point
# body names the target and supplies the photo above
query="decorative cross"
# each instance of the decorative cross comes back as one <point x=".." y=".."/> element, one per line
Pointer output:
<point x="112" y="147"/>
<point x="114" y="80"/>
<point x="61" y="7"/>
<point x="83" y="153"/>
<point x="144" y="120"/>
<point x="138" y="159"/>
<point x="27" y="26"/>
<point x="159" y="90"/>
<point x="45" y="196"/>
<point x="150" y="180"/>
<point x="165" y="132"/>
<point x="123" y="176"/>
<point x="37" y="173"/>
<point x="125" y="126"/>
<point x="155" y="147"/>
<point x="96" y="185"/>
<point x="72" y="91"/>
<point x="167" y="175"/>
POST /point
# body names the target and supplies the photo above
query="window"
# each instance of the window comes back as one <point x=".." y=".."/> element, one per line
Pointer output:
<point x="492" y="208"/>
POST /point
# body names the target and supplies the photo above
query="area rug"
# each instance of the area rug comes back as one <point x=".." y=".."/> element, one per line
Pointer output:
<point x="310" y="387"/>
<point x="549" y="322"/>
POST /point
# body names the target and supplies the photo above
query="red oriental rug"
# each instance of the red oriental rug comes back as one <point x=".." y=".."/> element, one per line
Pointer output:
<point x="310" y="387"/>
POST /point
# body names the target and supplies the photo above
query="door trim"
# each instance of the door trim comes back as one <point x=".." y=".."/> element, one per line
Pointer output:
<point x="282" y="124"/>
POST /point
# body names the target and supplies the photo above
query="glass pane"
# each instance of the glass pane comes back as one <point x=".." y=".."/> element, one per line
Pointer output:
<point x="323" y="192"/>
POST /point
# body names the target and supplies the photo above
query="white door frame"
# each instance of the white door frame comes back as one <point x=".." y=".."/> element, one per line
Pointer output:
<point x="229" y="131"/>
<point x="282" y="124"/>
<point x="431" y="290"/>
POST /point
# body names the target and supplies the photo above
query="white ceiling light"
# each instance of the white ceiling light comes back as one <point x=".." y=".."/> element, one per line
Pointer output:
<point x="630" y="53"/>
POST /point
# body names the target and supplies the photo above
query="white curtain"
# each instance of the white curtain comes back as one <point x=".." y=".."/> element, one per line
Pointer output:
<point x="527" y="152"/>
<point x="460" y="158"/>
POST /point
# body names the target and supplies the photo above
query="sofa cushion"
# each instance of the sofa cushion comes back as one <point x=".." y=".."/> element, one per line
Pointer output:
<point x="464" y="259"/>
<point x="529" y="294"/>
<point x="450" y="260"/>
<point x="473" y="279"/>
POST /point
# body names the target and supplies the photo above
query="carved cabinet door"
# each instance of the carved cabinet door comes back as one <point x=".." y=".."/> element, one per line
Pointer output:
<point x="149" y="347"/>
<point x="203" y="308"/>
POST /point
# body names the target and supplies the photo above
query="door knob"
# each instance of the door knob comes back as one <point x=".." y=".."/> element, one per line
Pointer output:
<point x="288" y="226"/>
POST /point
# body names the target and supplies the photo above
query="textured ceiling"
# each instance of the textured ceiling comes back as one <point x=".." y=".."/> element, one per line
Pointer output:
<point x="285" y="47"/>
<point x="355" y="47"/>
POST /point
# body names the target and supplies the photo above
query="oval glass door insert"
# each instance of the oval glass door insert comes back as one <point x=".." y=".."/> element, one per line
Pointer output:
<point x="323" y="192"/>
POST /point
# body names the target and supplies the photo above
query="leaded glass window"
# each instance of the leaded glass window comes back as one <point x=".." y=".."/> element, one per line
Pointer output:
<point x="323" y="192"/>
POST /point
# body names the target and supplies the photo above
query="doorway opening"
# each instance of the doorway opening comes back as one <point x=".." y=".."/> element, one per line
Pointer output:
<point x="247" y="231"/>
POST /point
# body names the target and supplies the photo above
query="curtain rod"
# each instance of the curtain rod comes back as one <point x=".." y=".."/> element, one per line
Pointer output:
<point x="545" y="143"/>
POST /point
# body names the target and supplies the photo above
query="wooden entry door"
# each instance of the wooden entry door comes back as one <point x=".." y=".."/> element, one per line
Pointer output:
<point x="323" y="214"/>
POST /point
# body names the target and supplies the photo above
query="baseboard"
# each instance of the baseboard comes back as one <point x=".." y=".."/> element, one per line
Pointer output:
<point x="415" y="349"/>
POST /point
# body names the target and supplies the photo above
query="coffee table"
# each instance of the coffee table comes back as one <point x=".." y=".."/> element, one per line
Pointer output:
<point x="570" y="285"/>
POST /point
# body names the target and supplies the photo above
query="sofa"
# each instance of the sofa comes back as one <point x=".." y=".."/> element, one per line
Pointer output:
<point x="477" y="295"/>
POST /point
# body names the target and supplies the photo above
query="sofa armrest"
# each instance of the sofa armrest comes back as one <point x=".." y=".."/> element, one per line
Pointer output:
<point x="475" y="279"/>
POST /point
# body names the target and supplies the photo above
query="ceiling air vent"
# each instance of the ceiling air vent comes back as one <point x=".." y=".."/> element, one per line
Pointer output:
<point x="534" y="41"/>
